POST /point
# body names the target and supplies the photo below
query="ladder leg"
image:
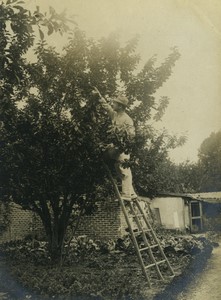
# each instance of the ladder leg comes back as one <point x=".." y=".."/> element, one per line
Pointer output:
<point x="154" y="236"/>
<point x="145" y="240"/>
<point x="129" y="226"/>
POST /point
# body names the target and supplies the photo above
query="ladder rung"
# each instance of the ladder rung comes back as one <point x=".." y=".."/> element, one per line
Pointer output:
<point x="140" y="231"/>
<point x="157" y="263"/>
<point x="150" y="247"/>
<point x="138" y="215"/>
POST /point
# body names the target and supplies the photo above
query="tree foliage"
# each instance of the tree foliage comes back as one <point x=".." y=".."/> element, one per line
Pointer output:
<point x="20" y="176"/>
<point x="210" y="162"/>
<point x="179" y="178"/>
<point x="155" y="173"/>
<point x="54" y="132"/>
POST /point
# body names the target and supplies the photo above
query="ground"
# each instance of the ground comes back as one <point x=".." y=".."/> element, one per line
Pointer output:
<point x="207" y="285"/>
<point x="93" y="271"/>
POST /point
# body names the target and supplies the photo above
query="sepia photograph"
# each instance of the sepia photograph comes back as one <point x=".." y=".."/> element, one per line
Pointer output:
<point x="110" y="157"/>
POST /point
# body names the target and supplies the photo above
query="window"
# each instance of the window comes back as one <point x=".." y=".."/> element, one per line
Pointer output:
<point x="196" y="216"/>
<point x="195" y="208"/>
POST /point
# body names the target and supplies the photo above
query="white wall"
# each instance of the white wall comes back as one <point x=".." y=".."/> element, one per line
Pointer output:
<point x="173" y="212"/>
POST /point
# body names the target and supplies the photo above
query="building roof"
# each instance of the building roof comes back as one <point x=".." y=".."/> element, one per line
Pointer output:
<point x="212" y="197"/>
<point x="177" y="195"/>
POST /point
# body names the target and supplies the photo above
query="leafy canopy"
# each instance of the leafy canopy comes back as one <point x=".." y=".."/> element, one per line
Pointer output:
<point x="54" y="131"/>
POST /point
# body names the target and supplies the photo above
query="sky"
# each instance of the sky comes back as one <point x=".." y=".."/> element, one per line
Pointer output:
<point x="194" y="27"/>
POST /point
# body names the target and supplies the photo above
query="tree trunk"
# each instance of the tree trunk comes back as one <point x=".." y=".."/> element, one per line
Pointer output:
<point x="55" y="248"/>
<point x="56" y="242"/>
<point x="55" y="227"/>
<point x="56" y="239"/>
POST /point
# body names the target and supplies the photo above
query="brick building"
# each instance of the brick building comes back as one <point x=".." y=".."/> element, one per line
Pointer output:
<point x="107" y="222"/>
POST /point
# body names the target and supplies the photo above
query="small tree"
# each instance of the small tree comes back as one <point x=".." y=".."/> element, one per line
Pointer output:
<point x="52" y="147"/>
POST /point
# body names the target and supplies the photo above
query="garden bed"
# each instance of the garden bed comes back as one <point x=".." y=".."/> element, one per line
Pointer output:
<point x="95" y="270"/>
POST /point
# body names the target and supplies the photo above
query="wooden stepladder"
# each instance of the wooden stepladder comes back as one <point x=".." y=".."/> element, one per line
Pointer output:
<point x="147" y="246"/>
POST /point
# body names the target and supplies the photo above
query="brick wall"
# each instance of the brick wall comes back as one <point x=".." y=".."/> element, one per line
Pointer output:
<point x="19" y="224"/>
<point x="107" y="223"/>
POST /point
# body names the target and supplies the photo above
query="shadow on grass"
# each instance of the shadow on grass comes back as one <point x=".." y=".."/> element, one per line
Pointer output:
<point x="8" y="285"/>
